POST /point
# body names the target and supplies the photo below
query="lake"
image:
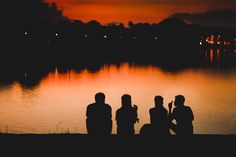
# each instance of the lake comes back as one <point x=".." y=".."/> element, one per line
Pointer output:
<point x="57" y="104"/>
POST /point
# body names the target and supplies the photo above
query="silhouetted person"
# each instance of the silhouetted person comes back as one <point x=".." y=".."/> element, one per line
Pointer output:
<point x="99" y="117"/>
<point x="159" y="120"/>
<point x="159" y="117"/>
<point x="183" y="116"/>
<point x="126" y="116"/>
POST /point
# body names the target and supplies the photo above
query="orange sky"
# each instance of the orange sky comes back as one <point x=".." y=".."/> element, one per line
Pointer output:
<point x="106" y="11"/>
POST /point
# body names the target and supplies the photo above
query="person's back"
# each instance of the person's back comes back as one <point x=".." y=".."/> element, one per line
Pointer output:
<point x="99" y="117"/>
<point x="159" y="117"/>
<point x="126" y="117"/>
<point x="183" y="116"/>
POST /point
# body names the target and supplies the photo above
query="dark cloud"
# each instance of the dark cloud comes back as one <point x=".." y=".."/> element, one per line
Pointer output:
<point x="222" y="18"/>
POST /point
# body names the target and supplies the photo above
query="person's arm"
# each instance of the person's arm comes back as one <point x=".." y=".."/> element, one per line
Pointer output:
<point x="87" y="112"/>
<point x="110" y="113"/>
<point x="191" y="114"/>
<point x="136" y="114"/>
<point x="170" y="115"/>
<point x="117" y="117"/>
<point x="150" y="113"/>
<point x="136" y="117"/>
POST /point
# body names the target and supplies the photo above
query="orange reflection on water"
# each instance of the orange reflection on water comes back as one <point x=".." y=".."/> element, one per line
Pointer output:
<point x="59" y="103"/>
<point x="211" y="55"/>
<point x="218" y="54"/>
<point x="214" y="55"/>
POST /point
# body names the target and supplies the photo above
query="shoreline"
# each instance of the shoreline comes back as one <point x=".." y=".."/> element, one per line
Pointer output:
<point x="77" y="144"/>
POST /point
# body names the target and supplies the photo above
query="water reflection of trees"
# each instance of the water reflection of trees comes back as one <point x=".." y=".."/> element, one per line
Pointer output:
<point x="36" y="38"/>
<point x="30" y="79"/>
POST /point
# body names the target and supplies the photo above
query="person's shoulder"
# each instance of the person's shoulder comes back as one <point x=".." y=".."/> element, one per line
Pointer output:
<point x="152" y="109"/>
<point x="164" y="109"/>
<point x="134" y="109"/>
<point x="188" y="108"/>
<point x="108" y="106"/>
<point x="118" y="110"/>
<point x="91" y="105"/>
<point x="176" y="109"/>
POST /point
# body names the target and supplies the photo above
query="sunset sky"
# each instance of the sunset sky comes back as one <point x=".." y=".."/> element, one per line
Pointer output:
<point x="106" y="11"/>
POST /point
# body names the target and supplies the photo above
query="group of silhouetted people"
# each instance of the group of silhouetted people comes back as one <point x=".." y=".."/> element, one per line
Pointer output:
<point x="99" y="117"/>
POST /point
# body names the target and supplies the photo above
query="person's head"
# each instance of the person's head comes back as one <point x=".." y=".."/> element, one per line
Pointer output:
<point x="100" y="97"/>
<point x="126" y="100"/>
<point x="179" y="100"/>
<point x="158" y="101"/>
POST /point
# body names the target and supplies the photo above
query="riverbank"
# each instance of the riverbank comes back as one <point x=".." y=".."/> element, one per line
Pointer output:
<point x="78" y="144"/>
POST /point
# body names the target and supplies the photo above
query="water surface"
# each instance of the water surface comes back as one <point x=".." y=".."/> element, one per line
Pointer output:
<point x="58" y="103"/>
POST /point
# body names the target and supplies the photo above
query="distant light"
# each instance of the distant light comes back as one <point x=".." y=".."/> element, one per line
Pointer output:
<point x="200" y="43"/>
<point x="155" y="38"/>
<point x="85" y="35"/>
<point x="105" y="36"/>
<point x="26" y="33"/>
<point x="56" y="34"/>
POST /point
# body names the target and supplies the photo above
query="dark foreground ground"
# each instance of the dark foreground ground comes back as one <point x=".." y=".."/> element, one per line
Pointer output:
<point x="84" y="145"/>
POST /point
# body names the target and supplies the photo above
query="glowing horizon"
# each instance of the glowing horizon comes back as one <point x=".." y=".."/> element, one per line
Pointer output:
<point x="151" y="11"/>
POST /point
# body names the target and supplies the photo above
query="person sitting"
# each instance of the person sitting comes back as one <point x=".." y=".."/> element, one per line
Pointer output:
<point x="183" y="116"/>
<point x="99" y="116"/>
<point x="159" y="120"/>
<point x="126" y="116"/>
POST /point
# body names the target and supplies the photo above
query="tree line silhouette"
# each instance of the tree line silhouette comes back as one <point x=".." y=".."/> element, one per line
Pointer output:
<point x="36" y="38"/>
<point x="36" y="33"/>
<point x="99" y="122"/>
